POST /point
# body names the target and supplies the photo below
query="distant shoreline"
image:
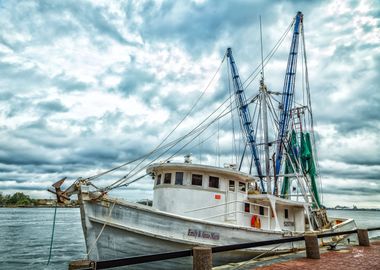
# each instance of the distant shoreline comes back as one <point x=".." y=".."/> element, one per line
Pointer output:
<point x="351" y="209"/>
<point x="38" y="206"/>
<point x="77" y="206"/>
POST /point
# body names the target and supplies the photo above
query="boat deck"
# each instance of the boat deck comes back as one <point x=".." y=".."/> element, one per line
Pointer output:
<point x="344" y="257"/>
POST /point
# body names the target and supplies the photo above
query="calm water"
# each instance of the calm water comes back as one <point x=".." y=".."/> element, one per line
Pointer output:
<point x="25" y="236"/>
<point x="363" y="219"/>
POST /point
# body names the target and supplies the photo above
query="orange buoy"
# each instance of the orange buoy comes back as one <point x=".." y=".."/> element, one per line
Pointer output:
<point x="258" y="223"/>
<point x="255" y="222"/>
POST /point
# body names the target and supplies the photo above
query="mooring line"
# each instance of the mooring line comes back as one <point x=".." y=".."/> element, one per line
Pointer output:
<point x="258" y="256"/>
<point x="101" y="231"/>
<point x="52" y="233"/>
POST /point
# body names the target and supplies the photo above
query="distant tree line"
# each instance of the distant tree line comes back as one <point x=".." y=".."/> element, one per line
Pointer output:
<point x="19" y="199"/>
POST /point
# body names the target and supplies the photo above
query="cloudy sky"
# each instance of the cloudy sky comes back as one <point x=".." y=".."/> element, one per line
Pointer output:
<point x="88" y="85"/>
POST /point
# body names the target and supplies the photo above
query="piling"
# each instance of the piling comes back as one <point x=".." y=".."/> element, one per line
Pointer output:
<point x="312" y="246"/>
<point x="202" y="258"/>
<point x="363" y="237"/>
<point x="81" y="264"/>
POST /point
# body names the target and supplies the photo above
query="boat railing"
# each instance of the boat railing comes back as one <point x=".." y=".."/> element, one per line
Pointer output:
<point x="236" y="211"/>
<point x="312" y="250"/>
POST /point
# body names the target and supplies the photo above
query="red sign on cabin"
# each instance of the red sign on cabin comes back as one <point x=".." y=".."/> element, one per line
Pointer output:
<point x="218" y="196"/>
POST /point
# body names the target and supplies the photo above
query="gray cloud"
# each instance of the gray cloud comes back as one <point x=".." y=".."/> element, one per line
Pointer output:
<point x="135" y="80"/>
<point x="47" y="21"/>
<point x="67" y="83"/>
<point x="52" y="106"/>
<point x="363" y="191"/>
<point x="356" y="171"/>
<point x="201" y="27"/>
<point x="55" y="121"/>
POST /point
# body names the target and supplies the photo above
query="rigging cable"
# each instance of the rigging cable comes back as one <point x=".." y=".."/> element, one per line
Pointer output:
<point x="218" y="146"/>
<point x="311" y="119"/>
<point x="221" y="115"/>
<point x="266" y="60"/>
<point x="202" y="129"/>
<point x="144" y="157"/>
<point x="272" y="110"/>
<point x="180" y="148"/>
<point x="188" y="113"/>
<point x="198" y="129"/>
<point x="269" y="55"/>
<point x="211" y="135"/>
<point x="195" y="130"/>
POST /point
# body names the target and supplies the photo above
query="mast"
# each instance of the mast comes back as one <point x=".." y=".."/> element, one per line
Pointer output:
<point x="288" y="92"/>
<point x="263" y="93"/>
<point x="245" y="116"/>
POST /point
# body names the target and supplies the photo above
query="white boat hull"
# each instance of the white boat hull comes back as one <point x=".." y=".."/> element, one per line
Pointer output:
<point x="118" y="229"/>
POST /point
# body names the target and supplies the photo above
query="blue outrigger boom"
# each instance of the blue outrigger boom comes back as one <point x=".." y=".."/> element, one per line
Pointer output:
<point x="288" y="92"/>
<point x="245" y="116"/>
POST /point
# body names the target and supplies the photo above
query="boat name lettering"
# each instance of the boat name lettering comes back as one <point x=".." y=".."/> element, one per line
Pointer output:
<point x="288" y="223"/>
<point x="203" y="234"/>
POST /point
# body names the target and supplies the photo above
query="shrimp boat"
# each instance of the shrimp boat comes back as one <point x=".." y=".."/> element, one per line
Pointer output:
<point x="270" y="193"/>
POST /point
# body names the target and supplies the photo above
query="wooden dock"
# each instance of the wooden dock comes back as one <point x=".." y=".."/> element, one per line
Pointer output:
<point x="354" y="257"/>
<point x="366" y="255"/>
<point x="344" y="257"/>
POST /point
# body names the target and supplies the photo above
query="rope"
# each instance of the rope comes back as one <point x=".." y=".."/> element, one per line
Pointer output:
<point x="183" y="119"/>
<point x="135" y="180"/>
<point x="144" y="157"/>
<point x="266" y="60"/>
<point x="101" y="231"/>
<point x="310" y="115"/>
<point x="258" y="256"/>
<point x="52" y="234"/>
<point x="201" y="130"/>
<point x="269" y="56"/>
<point x="198" y="129"/>
<point x="211" y="135"/>
<point x="122" y="181"/>
<point x="218" y="146"/>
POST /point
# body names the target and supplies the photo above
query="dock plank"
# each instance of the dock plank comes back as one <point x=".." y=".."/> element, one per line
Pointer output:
<point x="357" y="257"/>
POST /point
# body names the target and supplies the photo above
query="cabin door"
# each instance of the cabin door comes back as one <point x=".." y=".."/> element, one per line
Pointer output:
<point x="231" y="204"/>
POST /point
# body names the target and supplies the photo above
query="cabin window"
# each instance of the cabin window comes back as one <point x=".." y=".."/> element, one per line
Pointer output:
<point x="246" y="207"/>
<point x="261" y="211"/>
<point x="196" y="179"/>
<point x="213" y="182"/>
<point x="179" y="178"/>
<point x="286" y="213"/>
<point x="158" y="179"/>
<point x="242" y="187"/>
<point x="168" y="178"/>
<point x="231" y="185"/>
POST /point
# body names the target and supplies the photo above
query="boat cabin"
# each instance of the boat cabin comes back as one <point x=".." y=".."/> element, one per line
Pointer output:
<point x="222" y="195"/>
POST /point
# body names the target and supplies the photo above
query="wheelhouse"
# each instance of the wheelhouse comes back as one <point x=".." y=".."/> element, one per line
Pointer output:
<point x="221" y="195"/>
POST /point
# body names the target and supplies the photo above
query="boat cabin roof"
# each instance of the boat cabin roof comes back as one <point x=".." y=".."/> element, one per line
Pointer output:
<point x="190" y="167"/>
<point x="278" y="200"/>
